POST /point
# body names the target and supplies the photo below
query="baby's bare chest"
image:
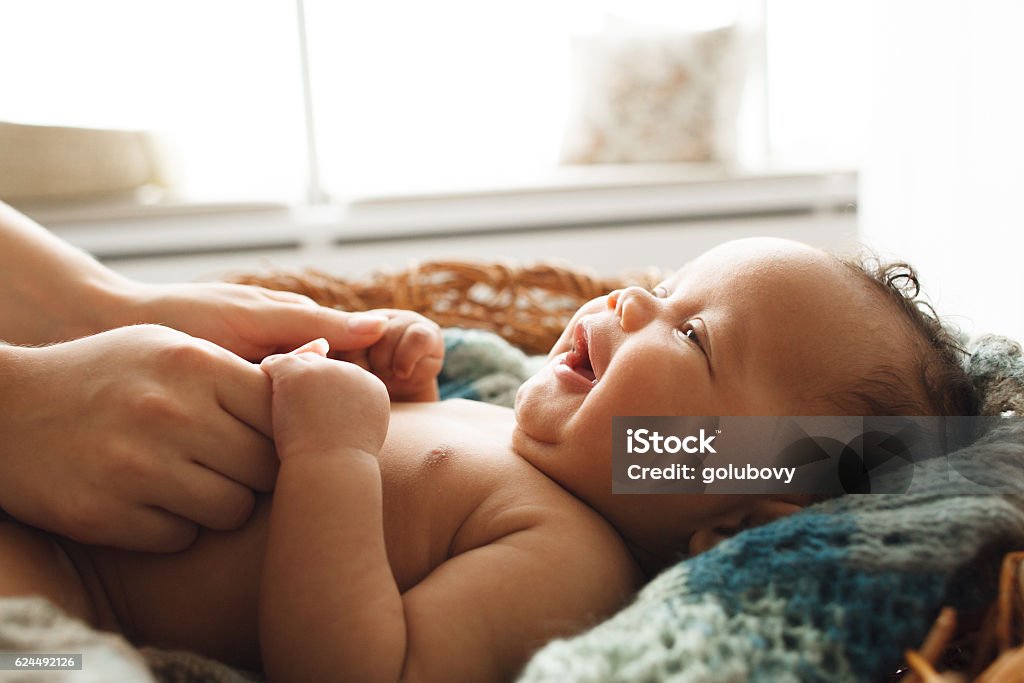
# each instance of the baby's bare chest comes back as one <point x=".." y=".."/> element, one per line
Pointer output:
<point x="439" y="468"/>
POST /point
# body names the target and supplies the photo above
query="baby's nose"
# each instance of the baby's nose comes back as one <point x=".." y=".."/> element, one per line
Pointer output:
<point x="633" y="305"/>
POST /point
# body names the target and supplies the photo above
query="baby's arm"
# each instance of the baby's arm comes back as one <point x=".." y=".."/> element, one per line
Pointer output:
<point x="329" y="605"/>
<point x="407" y="358"/>
<point x="481" y="614"/>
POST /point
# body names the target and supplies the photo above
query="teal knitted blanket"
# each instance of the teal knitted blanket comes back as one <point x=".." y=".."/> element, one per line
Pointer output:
<point x="482" y="366"/>
<point x="835" y="593"/>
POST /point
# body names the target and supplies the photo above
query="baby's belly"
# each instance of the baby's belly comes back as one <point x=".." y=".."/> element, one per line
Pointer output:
<point x="203" y="599"/>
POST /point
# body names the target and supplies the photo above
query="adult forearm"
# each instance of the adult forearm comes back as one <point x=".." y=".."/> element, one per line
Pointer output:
<point x="329" y="606"/>
<point x="49" y="290"/>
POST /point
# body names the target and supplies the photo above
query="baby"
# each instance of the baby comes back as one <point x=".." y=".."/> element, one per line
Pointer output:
<point x="428" y="541"/>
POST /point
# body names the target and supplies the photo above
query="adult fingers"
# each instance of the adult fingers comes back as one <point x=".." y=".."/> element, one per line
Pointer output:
<point x="157" y="530"/>
<point x="319" y="347"/>
<point x="197" y="493"/>
<point x="243" y="391"/>
<point x="238" y="452"/>
<point x="295" y="325"/>
<point x="286" y="297"/>
<point x="139" y="527"/>
<point x="282" y="364"/>
<point x="277" y="363"/>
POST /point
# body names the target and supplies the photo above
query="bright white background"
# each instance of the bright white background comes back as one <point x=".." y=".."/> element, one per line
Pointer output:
<point x="408" y="95"/>
<point x="943" y="174"/>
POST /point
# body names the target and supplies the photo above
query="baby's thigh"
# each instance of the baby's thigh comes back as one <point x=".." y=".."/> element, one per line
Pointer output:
<point x="32" y="563"/>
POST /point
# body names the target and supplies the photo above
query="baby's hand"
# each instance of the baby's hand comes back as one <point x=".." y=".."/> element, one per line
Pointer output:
<point x="322" y="405"/>
<point x="407" y="357"/>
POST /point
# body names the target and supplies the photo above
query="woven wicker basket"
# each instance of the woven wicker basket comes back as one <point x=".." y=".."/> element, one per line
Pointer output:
<point x="528" y="305"/>
<point x="987" y="653"/>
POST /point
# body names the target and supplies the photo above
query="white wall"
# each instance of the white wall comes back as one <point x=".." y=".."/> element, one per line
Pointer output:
<point x="942" y="185"/>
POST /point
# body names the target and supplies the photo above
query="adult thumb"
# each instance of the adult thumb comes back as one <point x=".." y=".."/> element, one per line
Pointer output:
<point x="318" y="346"/>
<point x="272" y="363"/>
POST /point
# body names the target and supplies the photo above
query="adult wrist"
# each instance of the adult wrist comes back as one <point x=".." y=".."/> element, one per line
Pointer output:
<point x="74" y="308"/>
<point x="112" y="301"/>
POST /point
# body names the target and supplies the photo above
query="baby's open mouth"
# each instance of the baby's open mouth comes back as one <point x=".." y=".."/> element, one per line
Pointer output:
<point x="578" y="358"/>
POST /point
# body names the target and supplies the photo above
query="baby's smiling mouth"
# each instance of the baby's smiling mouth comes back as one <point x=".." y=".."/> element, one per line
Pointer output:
<point x="578" y="358"/>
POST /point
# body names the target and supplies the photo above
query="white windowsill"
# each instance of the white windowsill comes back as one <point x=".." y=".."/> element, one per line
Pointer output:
<point x="576" y="198"/>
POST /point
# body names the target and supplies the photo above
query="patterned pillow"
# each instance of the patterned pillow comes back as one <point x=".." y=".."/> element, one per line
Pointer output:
<point x="654" y="97"/>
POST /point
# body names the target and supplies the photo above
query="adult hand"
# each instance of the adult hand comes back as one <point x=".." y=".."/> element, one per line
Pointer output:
<point x="254" y="322"/>
<point x="132" y="437"/>
<point x="51" y="292"/>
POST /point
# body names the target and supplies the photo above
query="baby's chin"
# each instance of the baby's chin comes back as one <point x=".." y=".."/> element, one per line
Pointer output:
<point x="532" y="385"/>
<point x="522" y="398"/>
<point x="542" y="409"/>
<point x="519" y="395"/>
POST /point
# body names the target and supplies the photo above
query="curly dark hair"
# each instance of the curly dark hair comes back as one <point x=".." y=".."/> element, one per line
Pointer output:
<point x="937" y="382"/>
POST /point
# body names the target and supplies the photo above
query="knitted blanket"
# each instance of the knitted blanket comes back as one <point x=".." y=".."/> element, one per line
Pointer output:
<point x="835" y="593"/>
<point x="482" y="366"/>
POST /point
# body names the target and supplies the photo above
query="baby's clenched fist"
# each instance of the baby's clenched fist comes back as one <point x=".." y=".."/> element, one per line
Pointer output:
<point x="322" y="405"/>
<point x="407" y="357"/>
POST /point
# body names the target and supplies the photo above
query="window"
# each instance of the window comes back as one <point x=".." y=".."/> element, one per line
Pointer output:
<point x="220" y="80"/>
<point x="406" y="96"/>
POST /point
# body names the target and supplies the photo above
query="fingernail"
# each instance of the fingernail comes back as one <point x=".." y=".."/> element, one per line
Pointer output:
<point x="366" y="323"/>
<point x="319" y="346"/>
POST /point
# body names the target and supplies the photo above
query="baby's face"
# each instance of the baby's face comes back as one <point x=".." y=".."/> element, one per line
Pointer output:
<point x="752" y="327"/>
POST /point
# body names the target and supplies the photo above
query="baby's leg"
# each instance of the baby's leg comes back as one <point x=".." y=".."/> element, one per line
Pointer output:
<point x="32" y="563"/>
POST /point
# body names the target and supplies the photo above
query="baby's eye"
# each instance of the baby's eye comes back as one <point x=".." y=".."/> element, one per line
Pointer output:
<point x="689" y="332"/>
<point x="659" y="292"/>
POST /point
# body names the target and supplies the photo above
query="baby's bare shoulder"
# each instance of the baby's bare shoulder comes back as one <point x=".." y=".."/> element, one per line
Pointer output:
<point x="540" y="518"/>
<point x="586" y="541"/>
<point x="558" y="570"/>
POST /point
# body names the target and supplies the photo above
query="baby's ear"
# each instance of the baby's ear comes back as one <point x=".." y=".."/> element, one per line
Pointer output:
<point x="705" y="539"/>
